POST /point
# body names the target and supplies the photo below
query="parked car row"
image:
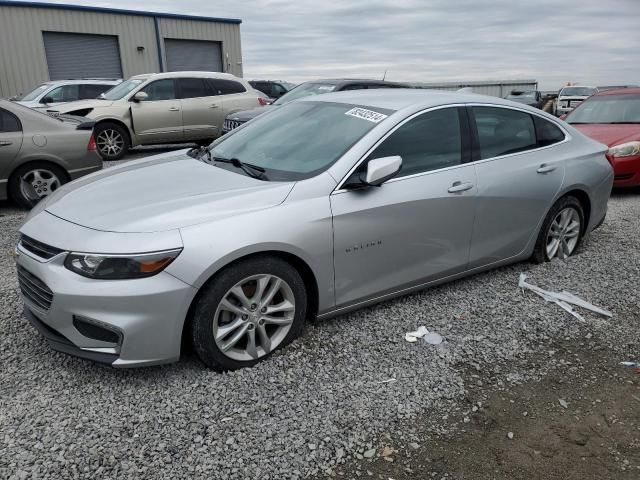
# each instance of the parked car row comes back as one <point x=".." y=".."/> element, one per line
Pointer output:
<point x="51" y="94"/>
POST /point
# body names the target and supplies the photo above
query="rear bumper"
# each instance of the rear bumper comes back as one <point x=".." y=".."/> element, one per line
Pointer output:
<point x="90" y="163"/>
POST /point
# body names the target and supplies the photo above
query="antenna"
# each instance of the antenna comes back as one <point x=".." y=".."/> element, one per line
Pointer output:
<point x="384" y="76"/>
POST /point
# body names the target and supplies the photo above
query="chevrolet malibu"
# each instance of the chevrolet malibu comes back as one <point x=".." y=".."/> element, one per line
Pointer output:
<point x="320" y="207"/>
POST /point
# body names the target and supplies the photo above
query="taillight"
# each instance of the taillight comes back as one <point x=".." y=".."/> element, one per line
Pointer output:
<point x="92" y="144"/>
<point x="262" y="101"/>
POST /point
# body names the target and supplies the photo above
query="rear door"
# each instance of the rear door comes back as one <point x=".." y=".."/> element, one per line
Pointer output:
<point x="233" y="97"/>
<point x="416" y="227"/>
<point x="10" y="144"/>
<point x="158" y="119"/>
<point x="202" y="110"/>
<point x="518" y="177"/>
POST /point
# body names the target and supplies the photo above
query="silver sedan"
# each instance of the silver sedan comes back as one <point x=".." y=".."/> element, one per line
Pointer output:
<point x="317" y="208"/>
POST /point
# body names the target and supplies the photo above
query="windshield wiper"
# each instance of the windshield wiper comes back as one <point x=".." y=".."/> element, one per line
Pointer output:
<point x="251" y="170"/>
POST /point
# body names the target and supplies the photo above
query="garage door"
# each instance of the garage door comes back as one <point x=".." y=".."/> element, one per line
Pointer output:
<point x="193" y="55"/>
<point x="74" y="55"/>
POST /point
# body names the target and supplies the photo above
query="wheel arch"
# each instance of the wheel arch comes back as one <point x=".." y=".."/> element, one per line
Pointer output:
<point x="303" y="268"/>
<point x="585" y="202"/>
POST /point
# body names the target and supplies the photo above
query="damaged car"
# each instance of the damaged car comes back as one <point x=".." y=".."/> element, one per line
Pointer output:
<point x="328" y="204"/>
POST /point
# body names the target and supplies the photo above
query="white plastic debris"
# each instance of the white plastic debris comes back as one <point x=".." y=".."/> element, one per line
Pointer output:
<point x="431" y="338"/>
<point x="563" y="299"/>
<point x="563" y="403"/>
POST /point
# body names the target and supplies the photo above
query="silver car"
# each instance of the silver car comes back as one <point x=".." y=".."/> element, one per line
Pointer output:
<point x="39" y="153"/>
<point x="322" y="206"/>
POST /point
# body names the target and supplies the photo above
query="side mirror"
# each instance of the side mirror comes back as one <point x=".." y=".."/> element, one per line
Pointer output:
<point x="46" y="100"/>
<point x="379" y="170"/>
<point x="140" y="97"/>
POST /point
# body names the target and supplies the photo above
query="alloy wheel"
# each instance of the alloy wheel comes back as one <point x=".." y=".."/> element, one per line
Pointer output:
<point x="43" y="182"/>
<point x="254" y="317"/>
<point x="564" y="233"/>
<point x="110" y="142"/>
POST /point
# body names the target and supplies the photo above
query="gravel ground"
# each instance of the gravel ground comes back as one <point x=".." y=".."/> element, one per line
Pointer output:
<point x="324" y="400"/>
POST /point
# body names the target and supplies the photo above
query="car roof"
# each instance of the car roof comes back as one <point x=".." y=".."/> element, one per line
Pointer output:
<point x="400" y="98"/>
<point x="113" y="81"/>
<point x="578" y="86"/>
<point x="192" y="74"/>
<point x="620" y="91"/>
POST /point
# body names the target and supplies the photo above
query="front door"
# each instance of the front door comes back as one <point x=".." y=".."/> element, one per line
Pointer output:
<point x="158" y="119"/>
<point x="416" y="227"/>
<point x="517" y="181"/>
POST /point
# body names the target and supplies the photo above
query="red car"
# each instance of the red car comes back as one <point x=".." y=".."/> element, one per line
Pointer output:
<point x="612" y="117"/>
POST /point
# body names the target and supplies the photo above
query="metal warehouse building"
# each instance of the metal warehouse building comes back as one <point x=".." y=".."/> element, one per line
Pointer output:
<point x="43" y="41"/>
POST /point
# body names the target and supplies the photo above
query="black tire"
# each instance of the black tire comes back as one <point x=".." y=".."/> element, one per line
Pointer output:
<point x="214" y="292"/>
<point x="109" y="129"/>
<point x="540" y="250"/>
<point x="17" y="193"/>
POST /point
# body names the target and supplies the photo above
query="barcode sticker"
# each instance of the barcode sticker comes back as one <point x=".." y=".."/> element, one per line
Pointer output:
<point x="365" y="114"/>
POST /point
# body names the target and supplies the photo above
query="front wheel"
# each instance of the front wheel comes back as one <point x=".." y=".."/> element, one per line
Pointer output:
<point x="561" y="231"/>
<point x="112" y="141"/>
<point x="247" y="311"/>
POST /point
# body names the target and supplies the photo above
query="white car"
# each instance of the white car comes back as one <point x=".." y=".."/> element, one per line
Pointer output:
<point x="50" y="94"/>
<point x="570" y="97"/>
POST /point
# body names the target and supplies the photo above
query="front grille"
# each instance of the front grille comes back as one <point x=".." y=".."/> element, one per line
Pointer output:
<point x="231" y="125"/>
<point x="40" y="249"/>
<point x="34" y="290"/>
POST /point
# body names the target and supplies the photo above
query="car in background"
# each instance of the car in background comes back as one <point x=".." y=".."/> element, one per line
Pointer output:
<point x="570" y="97"/>
<point x="533" y="98"/>
<point x="612" y="117"/>
<point x="325" y="205"/>
<point x="172" y="107"/>
<point x="274" y="89"/>
<point x="51" y="94"/>
<point x="39" y="153"/>
<point x="315" y="87"/>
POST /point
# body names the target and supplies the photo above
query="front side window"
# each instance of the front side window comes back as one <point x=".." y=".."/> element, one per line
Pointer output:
<point x="296" y="141"/>
<point x="160" y="90"/>
<point x="427" y="142"/>
<point x="64" y="93"/>
<point x="502" y="131"/>
<point x="9" y="122"/>
<point x="194" y="88"/>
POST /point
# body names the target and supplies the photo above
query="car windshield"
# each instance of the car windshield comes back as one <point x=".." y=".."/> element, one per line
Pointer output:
<point x="577" y="91"/>
<point x="607" y="109"/>
<point x="33" y="94"/>
<point x="119" y="91"/>
<point x="288" y="85"/>
<point x="522" y="96"/>
<point x="299" y="140"/>
<point x="305" y="90"/>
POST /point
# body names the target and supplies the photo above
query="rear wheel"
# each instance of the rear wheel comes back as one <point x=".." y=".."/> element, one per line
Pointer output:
<point x="247" y="311"/>
<point x="112" y="140"/>
<point x="561" y="231"/>
<point x="33" y="181"/>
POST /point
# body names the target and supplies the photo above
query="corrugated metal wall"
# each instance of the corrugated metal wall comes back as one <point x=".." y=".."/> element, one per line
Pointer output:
<point x="494" y="88"/>
<point x="22" y="56"/>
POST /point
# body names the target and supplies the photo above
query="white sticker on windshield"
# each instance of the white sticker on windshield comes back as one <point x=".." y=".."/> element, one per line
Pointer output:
<point x="327" y="88"/>
<point x="365" y="114"/>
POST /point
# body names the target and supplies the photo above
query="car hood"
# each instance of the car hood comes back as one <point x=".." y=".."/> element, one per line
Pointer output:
<point x="81" y="105"/>
<point x="609" y="134"/>
<point x="246" y="115"/>
<point x="164" y="192"/>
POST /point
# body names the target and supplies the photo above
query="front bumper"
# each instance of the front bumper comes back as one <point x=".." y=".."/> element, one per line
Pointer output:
<point x="148" y="313"/>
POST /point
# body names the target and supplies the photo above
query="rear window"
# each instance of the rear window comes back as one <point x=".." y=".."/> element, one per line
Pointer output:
<point x="502" y="131"/>
<point x="93" y="90"/>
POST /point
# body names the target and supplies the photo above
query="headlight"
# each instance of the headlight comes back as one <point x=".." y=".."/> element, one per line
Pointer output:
<point x="628" y="149"/>
<point x="118" y="267"/>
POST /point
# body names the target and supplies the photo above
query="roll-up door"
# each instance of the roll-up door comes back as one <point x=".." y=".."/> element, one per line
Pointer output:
<point x="76" y="55"/>
<point x="193" y="55"/>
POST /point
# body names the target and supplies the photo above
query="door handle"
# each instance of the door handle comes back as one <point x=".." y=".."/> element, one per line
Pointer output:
<point x="458" y="187"/>
<point x="544" y="168"/>
<point x="5" y="143"/>
<point x="174" y="109"/>
<point x="213" y="105"/>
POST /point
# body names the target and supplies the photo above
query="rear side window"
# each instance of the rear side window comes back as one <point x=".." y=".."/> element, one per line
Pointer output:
<point x="9" y="122"/>
<point x="194" y="88"/>
<point x="93" y="90"/>
<point x="226" y="87"/>
<point x="547" y="132"/>
<point x="161" y="90"/>
<point x="427" y="142"/>
<point x="502" y="131"/>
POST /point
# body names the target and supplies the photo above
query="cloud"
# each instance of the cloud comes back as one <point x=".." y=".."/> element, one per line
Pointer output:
<point x="586" y="41"/>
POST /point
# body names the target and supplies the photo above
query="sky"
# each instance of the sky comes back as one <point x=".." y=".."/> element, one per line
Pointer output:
<point x="591" y="42"/>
